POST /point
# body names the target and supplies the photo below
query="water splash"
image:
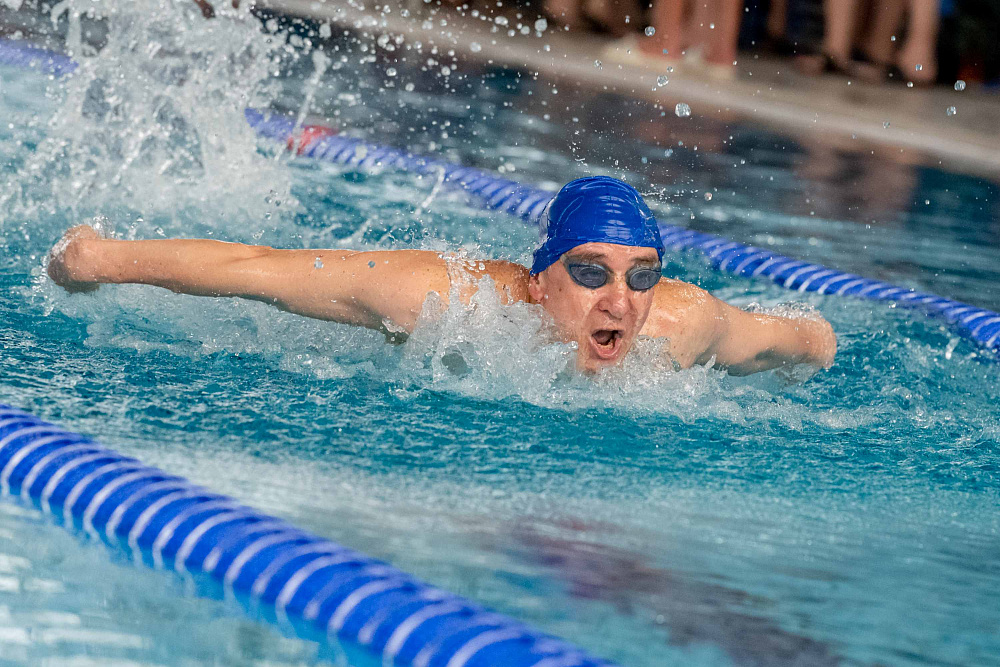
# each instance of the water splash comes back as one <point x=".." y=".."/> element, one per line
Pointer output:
<point x="150" y="125"/>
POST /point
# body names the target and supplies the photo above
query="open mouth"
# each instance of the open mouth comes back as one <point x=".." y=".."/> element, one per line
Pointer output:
<point x="606" y="342"/>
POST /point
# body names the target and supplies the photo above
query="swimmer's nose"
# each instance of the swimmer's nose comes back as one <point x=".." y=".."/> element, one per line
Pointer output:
<point x="614" y="300"/>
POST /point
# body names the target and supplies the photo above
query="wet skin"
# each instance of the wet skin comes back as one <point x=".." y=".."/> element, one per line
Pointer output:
<point x="605" y="321"/>
<point x="386" y="290"/>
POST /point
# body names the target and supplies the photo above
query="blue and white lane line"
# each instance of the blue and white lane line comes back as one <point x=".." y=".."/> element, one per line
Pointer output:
<point x="978" y="325"/>
<point x="322" y="589"/>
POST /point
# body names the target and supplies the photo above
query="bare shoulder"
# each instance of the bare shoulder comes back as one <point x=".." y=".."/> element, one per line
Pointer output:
<point x="687" y="315"/>
<point x="421" y="271"/>
<point x="678" y="306"/>
<point x="511" y="279"/>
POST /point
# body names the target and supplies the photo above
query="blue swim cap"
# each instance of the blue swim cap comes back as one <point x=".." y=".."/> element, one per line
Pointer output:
<point x="596" y="209"/>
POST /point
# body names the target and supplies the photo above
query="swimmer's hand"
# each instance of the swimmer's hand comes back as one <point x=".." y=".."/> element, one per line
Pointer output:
<point x="70" y="260"/>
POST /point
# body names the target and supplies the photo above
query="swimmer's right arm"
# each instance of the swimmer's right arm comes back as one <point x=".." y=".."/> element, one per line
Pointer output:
<point x="379" y="290"/>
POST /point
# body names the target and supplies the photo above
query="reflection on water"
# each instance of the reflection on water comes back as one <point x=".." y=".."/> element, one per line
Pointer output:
<point x="693" y="612"/>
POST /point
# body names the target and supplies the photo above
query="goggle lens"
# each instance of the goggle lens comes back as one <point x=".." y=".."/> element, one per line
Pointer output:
<point x="590" y="276"/>
<point x="594" y="276"/>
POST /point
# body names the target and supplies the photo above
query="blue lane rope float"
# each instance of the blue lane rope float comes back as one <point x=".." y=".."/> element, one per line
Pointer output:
<point x="321" y="588"/>
<point x="978" y="325"/>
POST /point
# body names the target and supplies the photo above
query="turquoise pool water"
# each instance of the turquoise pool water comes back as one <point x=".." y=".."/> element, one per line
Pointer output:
<point x="686" y="518"/>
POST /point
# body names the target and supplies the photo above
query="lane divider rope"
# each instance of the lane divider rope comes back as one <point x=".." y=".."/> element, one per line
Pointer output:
<point x="319" y="588"/>
<point x="978" y="325"/>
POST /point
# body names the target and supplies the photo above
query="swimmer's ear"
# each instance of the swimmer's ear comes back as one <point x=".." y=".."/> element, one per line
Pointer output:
<point x="535" y="288"/>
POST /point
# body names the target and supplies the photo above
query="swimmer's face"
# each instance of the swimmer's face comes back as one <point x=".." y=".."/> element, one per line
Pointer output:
<point x="604" y="321"/>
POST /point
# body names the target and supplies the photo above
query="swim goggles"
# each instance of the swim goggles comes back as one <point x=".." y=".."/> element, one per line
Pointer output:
<point x="594" y="276"/>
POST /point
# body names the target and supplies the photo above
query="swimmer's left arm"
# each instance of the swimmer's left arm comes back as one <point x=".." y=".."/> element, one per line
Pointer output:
<point x="745" y="342"/>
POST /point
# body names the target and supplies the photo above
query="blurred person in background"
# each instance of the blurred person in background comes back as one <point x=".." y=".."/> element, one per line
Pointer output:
<point x="702" y="32"/>
<point x="616" y="17"/>
<point x="705" y="29"/>
<point x="869" y="49"/>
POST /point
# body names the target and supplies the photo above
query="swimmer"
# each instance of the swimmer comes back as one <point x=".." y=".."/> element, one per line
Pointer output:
<point x="597" y="274"/>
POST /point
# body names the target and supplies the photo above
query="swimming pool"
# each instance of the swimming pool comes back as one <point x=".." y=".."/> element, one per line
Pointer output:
<point x="688" y="518"/>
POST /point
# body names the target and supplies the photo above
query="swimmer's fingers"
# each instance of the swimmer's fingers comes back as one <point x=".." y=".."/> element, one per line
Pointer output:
<point x="67" y="265"/>
<point x="797" y="373"/>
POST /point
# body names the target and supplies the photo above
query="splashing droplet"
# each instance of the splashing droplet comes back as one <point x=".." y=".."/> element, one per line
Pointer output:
<point x="960" y="85"/>
<point x="885" y="124"/>
<point x="475" y="47"/>
<point x="650" y="31"/>
<point x="318" y="263"/>
<point x="708" y="196"/>
<point x="892" y="39"/>
<point x="541" y="25"/>
<point x="682" y="110"/>
<point x="408" y="87"/>
<point x="662" y="80"/>
<point x="391" y="71"/>
<point x="598" y="64"/>
<point x="919" y="67"/>
<point x="951" y="111"/>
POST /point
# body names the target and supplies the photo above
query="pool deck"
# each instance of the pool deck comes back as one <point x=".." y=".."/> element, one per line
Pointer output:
<point x="765" y="90"/>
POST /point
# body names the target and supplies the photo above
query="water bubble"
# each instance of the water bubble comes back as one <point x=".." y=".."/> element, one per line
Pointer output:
<point x="662" y="80"/>
<point x="475" y="47"/>
<point x="682" y="110"/>
<point x="885" y="124"/>
<point x="892" y="39"/>
<point x="597" y="64"/>
<point x="960" y="85"/>
<point x="918" y="67"/>
<point x="650" y="31"/>
<point x="951" y="111"/>
<point x="711" y="26"/>
<point x="318" y="263"/>
<point x="708" y="196"/>
<point x="541" y="25"/>
<point x="670" y="68"/>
